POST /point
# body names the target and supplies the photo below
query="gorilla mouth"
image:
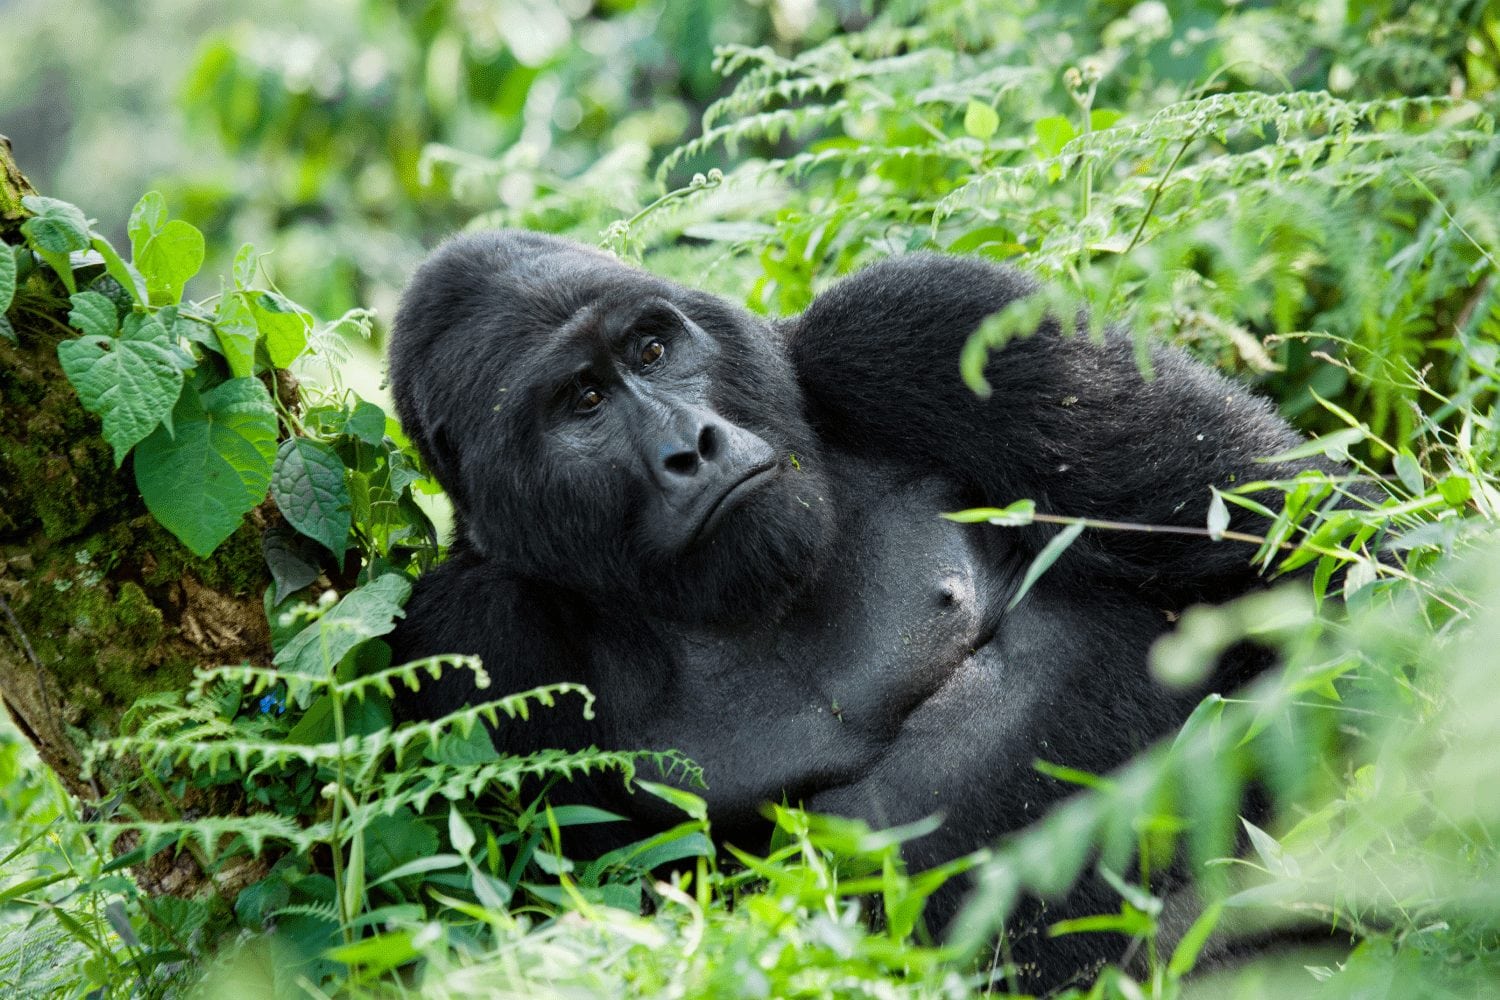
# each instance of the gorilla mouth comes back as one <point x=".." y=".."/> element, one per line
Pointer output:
<point x="729" y="499"/>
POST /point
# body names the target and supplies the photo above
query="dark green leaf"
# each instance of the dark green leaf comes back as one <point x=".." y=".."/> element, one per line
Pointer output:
<point x="291" y="559"/>
<point x="201" y="483"/>
<point x="131" y="381"/>
<point x="367" y="423"/>
<point x="8" y="332"/>
<point x="93" y="314"/>
<point x="57" y="227"/>
<point x="308" y="485"/>
<point x="7" y="277"/>
<point x="363" y="613"/>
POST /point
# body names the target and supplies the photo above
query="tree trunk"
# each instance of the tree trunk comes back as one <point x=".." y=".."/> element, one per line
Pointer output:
<point x="99" y="605"/>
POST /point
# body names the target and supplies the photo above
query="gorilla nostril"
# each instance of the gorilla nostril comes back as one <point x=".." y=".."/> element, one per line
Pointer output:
<point x="683" y="462"/>
<point x="708" y="443"/>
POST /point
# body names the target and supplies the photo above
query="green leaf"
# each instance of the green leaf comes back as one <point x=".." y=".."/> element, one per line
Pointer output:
<point x="1185" y="955"/>
<point x="1409" y="472"/>
<point x="1335" y="445"/>
<point x="56" y="227"/>
<point x="168" y="253"/>
<point x="146" y="219"/>
<point x="7" y="277"/>
<point x="1102" y="118"/>
<point x="291" y="559"/>
<point x="459" y="833"/>
<point x="1053" y="134"/>
<point x="1017" y="515"/>
<point x="367" y="423"/>
<point x="308" y="485"/>
<point x="980" y="120"/>
<point x="244" y="266"/>
<point x="129" y="278"/>
<point x="8" y="332"/>
<point x="364" y="613"/>
<point x="237" y="333"/>
<point x="94" y="314"/>
<point x="284" y="325"/>
<point x="131" y="382"/>
<point x="1455" y="490"/>
<point x="201" y="483"/>
<point x="1044" y="560"/>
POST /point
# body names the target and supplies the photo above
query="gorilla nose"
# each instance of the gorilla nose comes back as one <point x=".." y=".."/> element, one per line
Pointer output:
<point x="685" y="458"/>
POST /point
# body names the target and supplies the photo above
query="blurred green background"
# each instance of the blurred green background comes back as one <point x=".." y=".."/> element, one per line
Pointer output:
<point x="302" y="127"/>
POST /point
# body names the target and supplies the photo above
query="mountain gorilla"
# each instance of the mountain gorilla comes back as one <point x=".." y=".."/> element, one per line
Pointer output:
<point x="728" y="529"/>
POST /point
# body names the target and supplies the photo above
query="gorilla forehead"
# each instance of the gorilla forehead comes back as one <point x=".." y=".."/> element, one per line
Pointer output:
<point x="513" y="285"/>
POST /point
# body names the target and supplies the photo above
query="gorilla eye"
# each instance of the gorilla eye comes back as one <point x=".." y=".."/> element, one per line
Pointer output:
<point x="652" y="353"/>
<point x="588" y="399"/>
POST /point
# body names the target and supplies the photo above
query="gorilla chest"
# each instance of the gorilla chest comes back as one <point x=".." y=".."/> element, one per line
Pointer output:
<point x="903" y="600"/>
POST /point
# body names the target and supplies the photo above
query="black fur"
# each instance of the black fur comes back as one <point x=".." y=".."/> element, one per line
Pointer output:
<point x="825" y="636"/>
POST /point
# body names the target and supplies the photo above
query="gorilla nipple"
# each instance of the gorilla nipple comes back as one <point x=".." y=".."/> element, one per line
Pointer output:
<point x="954" y="590"/>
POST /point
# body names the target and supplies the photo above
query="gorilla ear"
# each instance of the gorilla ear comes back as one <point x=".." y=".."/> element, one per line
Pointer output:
<point x="442" y="460"/>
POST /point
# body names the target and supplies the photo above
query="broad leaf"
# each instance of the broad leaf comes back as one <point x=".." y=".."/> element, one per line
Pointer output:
<point x="94" y="315"/>
<point x="146" y="219"/>
<point x="201" y="483"/>
<point x="980" y="120"/>
<point x="291" y="558"/>
<point x="1053" y="134"/>
<point x="308" y="485"/>
<point x="283" y="324"/>
<point x="55" y="231"/>
<point x="167" y="253"/>
<point x="367" y="423"/>
<point x="237" y="332"/>
<point x="364" y="613"/>
<point x="57" y="227"/>
<point x="131" y="381"/>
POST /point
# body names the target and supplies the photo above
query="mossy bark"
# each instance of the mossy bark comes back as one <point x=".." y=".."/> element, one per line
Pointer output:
<point x="99" y="605"/>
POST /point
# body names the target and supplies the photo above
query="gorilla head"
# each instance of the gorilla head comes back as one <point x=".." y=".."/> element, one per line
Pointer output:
<point x="592" y="433"/>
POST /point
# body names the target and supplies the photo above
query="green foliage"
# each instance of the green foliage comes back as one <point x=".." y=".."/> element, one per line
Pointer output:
<point x="1302" y="193"/>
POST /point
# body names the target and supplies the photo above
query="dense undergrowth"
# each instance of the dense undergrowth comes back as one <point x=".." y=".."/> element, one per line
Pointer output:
<point x="1303" y="193"/>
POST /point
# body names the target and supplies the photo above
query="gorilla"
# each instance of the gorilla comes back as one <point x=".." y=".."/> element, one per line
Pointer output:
<point x="727" y="528"/>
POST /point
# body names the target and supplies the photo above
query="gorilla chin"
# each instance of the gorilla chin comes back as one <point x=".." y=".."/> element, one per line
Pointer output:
<point x="759" y="546"/>
<point x="728" y="529"/>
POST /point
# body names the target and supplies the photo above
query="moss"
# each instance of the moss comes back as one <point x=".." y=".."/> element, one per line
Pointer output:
<point x="236" y="566"/>
<point x="113" y="605"/>
<point x="56" y="472"/>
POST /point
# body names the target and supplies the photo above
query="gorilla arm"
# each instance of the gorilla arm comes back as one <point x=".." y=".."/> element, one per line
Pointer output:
<point x="1071" y="421"/>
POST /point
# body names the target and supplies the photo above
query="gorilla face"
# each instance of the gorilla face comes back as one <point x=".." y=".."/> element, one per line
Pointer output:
<point x="604" y="437"/>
